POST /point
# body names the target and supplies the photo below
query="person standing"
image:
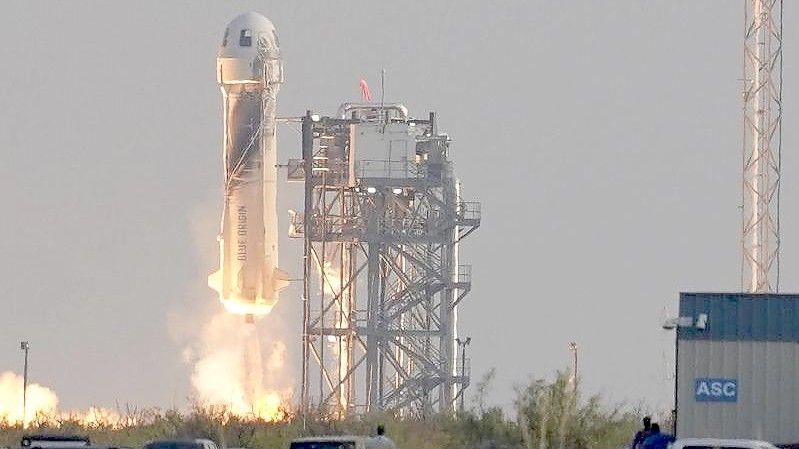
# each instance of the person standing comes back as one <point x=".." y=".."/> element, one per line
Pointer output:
<point x="642" y="434"/>
<point x="657" y="440"/>
<point x="380" y="441"/>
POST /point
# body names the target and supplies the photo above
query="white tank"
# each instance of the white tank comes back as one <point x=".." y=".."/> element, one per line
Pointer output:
<point x="249" y="72"/>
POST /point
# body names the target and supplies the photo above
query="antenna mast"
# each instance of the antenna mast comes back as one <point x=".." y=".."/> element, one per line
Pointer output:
<point x="762" y="97"/>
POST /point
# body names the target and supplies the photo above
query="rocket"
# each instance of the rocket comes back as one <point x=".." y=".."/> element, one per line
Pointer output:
<point x="249" y="73"/>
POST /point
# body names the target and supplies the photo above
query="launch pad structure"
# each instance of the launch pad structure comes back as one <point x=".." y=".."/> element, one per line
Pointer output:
<point x="382" y="222"/>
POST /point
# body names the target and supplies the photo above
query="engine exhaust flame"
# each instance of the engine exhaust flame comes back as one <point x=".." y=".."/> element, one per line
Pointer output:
<point x="230" y="372"/>
<point x="256" y="309"/>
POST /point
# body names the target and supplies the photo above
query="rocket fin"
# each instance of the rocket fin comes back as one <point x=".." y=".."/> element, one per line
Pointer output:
<point x="215" y="280"/>
<point x="280" y="280"/>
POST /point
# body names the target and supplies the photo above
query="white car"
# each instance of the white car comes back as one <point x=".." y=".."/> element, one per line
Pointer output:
<point x="330" y="442"/>
<point x="717" y="443"/>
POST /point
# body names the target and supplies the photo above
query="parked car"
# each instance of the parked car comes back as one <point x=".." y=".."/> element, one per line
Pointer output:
<point x="717" y="443"/>
<point x="197" y="443"/>
<point x="330" y="442"/>
<point x="47" y="441"/>
<point x="60" y="442"/>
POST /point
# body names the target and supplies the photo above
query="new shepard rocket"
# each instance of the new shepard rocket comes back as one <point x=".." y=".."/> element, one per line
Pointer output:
<point x="249" y="72"/>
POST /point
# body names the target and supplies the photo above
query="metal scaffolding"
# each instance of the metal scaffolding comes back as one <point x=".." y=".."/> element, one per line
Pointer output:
<point x="762" y="97"/>
<point x="382" y="221"/>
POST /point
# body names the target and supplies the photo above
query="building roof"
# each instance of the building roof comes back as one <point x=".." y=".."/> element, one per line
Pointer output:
<point x="741" y="316"/>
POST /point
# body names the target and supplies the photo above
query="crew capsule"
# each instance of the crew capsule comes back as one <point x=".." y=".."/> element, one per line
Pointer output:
<point x="250" y="50"/>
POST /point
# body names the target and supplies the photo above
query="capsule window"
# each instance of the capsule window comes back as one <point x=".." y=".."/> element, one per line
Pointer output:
<point x="245" y="38"/>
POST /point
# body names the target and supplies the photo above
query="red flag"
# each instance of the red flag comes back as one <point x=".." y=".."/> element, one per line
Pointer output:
<point x="365" y="95"/>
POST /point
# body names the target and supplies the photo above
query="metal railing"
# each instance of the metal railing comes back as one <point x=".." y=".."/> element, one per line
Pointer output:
<point x="387" y="169"/>
<point x="464" y="274"/>
<point x="296" y="224"/>
<point x="469" y="210"/>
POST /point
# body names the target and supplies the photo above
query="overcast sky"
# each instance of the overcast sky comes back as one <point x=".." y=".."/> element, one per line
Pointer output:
<point x="602" y="138"/>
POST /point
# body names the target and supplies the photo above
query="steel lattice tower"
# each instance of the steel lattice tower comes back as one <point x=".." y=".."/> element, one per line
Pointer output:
<point x="382" y="222"/>
<point x="762" y="98"/>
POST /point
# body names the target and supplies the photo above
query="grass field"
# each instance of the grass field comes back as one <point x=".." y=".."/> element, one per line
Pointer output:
<point x="548" y="415"/>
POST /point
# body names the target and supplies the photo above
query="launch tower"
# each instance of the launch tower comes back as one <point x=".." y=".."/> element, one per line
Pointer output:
<point x="382" y="222"/>
<point x="762" y="101"/>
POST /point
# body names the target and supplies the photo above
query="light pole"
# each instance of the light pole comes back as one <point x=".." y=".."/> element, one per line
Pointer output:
<point x="573" y="349"/>
<point x="463" y="344"/>
<point x="25" y="346"/>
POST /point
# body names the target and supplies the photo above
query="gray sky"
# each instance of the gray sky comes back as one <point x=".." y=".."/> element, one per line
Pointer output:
<point x="602" y="138"/>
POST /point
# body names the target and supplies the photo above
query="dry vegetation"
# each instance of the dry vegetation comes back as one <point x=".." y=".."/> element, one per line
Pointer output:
<point x="549" y="415"/>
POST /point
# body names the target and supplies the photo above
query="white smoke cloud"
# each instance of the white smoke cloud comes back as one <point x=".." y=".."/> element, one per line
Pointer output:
<point x="230" y="372"/>
<point x="40" y="400"/>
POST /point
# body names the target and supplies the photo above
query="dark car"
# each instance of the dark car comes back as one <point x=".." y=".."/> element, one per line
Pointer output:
<point x="45" y="441"/>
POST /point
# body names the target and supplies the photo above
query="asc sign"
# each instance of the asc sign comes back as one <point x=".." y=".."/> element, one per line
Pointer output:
<point x="716" y="390"/>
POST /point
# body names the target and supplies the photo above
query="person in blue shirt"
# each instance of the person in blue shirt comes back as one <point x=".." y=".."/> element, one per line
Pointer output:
<point x="641" y="435"/>
<point x="657" y="440"/>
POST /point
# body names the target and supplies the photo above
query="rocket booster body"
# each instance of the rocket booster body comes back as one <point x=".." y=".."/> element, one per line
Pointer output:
<point x="249" y="73"/>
